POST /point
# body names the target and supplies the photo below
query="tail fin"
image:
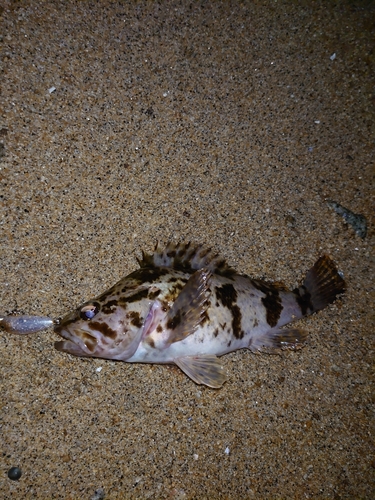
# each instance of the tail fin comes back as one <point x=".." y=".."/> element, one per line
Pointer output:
<point x="321" y="286"/>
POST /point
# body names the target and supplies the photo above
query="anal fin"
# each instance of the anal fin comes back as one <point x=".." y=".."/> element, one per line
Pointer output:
<point x="279" y="339"/>
<point x="205" y="370"/>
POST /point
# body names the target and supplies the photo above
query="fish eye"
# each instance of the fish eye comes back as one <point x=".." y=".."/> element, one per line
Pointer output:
<point x="89" y="311"/>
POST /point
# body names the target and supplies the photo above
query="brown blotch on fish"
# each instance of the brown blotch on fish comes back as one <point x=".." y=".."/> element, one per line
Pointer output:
<point x="273" y="305"/>
<point x="173" y="279"/>
<point x="174" y="292"/>
<point x="141" y="294"/>
<point x="228" y="297"/>
<point x="236" y="322"/>
<point x="150" y="342"/>
<point x="135" y="319"/>
<point x="153" y="294"/>
<point x="89" y="341"/>
<point x="102" y="328"/>
<point x="149" y="274"/>
<point x="127" y="288"/>
<point x="104" y="296"/>
<point x="205" y="317"/>
<point x="271" y="301"/>
<point x="303" y="298"/>
<point x="109" y="307"/>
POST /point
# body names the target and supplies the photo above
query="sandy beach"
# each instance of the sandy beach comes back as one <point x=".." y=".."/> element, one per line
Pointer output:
<point x="230" y="124"/>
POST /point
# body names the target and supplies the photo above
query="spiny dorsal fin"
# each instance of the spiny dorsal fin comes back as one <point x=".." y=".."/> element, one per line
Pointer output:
<point x="186" y="257"/>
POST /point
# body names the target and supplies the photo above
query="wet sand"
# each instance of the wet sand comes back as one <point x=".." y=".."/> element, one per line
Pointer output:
<point x="229" y="124"/>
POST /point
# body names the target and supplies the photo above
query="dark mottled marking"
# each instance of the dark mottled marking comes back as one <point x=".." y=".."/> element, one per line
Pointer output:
<point x="223" y="325"/>
<point x="228" y="297"/>
<point x="271" y="301"/>
<point x="141" y="294"/>
<point x="153" y="294"/>
<point x="171" y="254"/>
<point x="255" y="322"/>
<point x="129" y="285"/>
<point x="172" y="323"/>
<point x="159" y="328"/>
<point x="216" y="332"/>
<point x="303" y="298"/>
<point x="149" y="274"/>
<point x="108" y="307"/>
<point x="135" y="319"/>
<point x="236" y="322"/>
<point x="173" y="293"/>
<point x="183" y="266"/>
<point x="103" y="328"/>
<point x="229" y="343"/>
<point x="273" y="305"/>
<point x="204" y="318"/>
<point x="89" y="341"/>
<point x="150" y="342"/>
<point x="104" y="296"/>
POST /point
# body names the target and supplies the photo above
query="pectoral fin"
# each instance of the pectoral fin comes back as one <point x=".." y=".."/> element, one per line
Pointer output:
<point x="188" y="310"/>
<point x="205" y="370"/>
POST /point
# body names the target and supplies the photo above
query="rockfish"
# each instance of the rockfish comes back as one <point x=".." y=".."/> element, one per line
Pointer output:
<point x="186" y="306"/>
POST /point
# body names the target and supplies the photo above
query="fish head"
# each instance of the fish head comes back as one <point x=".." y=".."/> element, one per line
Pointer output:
<point x="110" y="326"/>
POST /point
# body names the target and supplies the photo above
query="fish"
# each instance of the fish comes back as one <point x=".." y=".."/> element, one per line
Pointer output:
<point x="186" y="306"/>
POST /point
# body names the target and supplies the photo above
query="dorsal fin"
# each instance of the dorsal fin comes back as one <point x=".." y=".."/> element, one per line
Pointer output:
<point x="186" y="257"/>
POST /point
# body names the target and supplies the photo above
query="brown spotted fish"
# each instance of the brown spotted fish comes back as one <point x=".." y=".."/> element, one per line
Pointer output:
<point x="186" y="306"/>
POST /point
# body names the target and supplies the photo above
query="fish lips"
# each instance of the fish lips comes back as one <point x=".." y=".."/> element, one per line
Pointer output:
<point x="76" y="341"/>
<point x="71" y="348"/>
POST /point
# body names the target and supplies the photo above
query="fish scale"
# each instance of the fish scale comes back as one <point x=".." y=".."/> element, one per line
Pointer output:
<point x="186" y="306"/>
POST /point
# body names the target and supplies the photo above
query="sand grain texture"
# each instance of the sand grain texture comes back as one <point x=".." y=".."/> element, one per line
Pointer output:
<point x="225" y="123"/>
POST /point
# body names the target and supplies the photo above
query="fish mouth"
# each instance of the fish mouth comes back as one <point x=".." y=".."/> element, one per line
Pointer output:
<point x="76" y="341"/>
<point x="71" y="348"/>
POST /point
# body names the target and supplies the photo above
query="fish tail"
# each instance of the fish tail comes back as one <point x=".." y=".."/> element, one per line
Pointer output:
<point x="321" y="286"/>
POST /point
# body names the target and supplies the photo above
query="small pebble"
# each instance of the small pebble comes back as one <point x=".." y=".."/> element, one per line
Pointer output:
<point x="14" y="473"/>
<point x="98" y="495"/>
